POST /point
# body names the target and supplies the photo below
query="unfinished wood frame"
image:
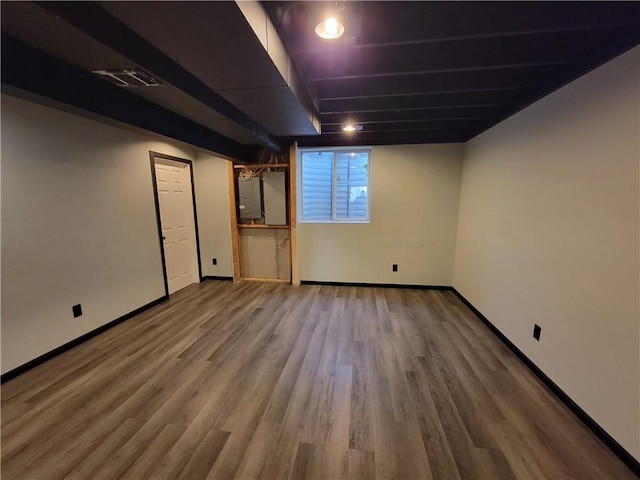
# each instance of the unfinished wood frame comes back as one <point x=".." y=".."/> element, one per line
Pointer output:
<point x="293" y="221"/>
<point x="235" y="241"/>
<point x="243" y="233"/>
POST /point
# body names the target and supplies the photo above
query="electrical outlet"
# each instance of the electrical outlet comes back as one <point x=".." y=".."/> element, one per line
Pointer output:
<point x="537" y="329"/>
<point x="394" y="267"/>
<point x="214" y="261"/>
<point x="77" y="310"/>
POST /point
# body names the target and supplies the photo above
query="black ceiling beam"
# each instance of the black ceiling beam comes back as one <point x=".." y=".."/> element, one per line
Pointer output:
<point x="374" y="138"/>
<point x="503" y="35"/>
<point x="433" y="69"/>
<point x="411" y="108"/>
<point x="460" y="18"/>
<point x="459" y="55"/>
<point x="32" y="70"/>
<point x="469" y="55"/>
<point x="526" y="77"/>
<point x="93" y="20"/>
<point x="417" y="93"/>
<point x="440" y="122"/>
<point x="411" y="125"/>
<point x="435" y="113"/>
<point x="418" y="99"/>
<point x="467" y="128"/>
<point x="450" y="106"/>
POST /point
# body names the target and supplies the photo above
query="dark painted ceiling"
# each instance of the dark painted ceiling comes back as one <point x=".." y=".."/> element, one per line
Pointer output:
<point x="423" y="72"/>
<point x="408" y="72"/>
<point x="223" y="86"/>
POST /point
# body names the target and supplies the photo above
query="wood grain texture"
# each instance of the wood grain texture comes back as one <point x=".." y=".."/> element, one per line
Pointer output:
<point x="235" y="239"/>
<point x="264" y="380"/>
<point x="293" y="214"/>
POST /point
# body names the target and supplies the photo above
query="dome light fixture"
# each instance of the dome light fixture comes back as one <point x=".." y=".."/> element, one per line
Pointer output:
<point x="330" y="28"/>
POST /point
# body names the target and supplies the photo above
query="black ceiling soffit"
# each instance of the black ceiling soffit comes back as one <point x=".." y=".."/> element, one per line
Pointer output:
<point x="105" y="99"/>
<point x="34" y="71"/>
<point x="93" y="20"/>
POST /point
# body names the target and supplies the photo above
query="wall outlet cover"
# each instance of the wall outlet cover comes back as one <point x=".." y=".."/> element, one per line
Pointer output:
<point x="77" y="310"/>
<point x="537" y="329"/>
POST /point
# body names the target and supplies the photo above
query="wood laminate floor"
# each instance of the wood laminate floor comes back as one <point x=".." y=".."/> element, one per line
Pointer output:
<point x="262" y="380"/>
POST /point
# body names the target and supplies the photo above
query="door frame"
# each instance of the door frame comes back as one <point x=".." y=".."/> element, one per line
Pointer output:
<point x="162" y="156"/>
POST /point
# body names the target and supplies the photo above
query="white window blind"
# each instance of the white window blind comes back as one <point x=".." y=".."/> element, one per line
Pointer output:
<point x="335" y="185"/>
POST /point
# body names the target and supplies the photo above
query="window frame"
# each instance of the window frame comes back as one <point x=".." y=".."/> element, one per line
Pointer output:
<point x="334" y="181"/>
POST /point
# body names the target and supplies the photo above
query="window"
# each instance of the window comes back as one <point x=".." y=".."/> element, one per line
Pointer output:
<point x="335" y="185"/>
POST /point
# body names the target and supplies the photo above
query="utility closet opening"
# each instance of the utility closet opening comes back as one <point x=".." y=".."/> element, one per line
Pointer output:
<point x="261" y="194"/>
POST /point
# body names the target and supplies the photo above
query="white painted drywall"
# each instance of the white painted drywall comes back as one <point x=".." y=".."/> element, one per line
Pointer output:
<point x="549" y="234"/>
<point x="214" y="226"/>
<point x="79" y="225"/>
<point x="414" y="210"/>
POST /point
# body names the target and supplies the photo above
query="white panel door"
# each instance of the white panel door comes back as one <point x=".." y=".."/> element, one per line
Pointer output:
<point x="176" y="217"/>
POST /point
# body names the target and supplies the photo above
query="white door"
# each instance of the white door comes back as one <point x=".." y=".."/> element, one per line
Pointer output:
<point x="176" y="217"/>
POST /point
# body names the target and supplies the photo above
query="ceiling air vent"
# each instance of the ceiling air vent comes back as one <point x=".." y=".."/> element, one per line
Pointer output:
<point x="128" y="78"/>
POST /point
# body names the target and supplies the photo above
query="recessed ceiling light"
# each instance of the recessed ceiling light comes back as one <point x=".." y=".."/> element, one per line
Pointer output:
<point x="351" y="127"/>
<point x="330" y="28"/>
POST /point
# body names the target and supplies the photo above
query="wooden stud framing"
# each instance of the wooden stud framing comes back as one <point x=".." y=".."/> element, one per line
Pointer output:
<point x="261" y="226"/>
<point x="235" y="226"/>
<point x="257" y="166"/>
<point x="235" y="241"/>
<point x="293" y="239"/>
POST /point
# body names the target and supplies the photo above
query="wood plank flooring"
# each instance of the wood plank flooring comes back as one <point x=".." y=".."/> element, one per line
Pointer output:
<point x="270" y="381"/>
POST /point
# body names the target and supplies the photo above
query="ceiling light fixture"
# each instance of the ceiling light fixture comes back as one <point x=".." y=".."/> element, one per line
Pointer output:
<point x="330" y="28"/>
<point x="351" y="127"/>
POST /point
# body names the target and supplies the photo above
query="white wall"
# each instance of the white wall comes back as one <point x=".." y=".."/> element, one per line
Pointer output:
<point x="79" y="225"/>
<point x="414" y="209"/>
<point x="549" y="234"/>
<point x="214" y="226"/>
